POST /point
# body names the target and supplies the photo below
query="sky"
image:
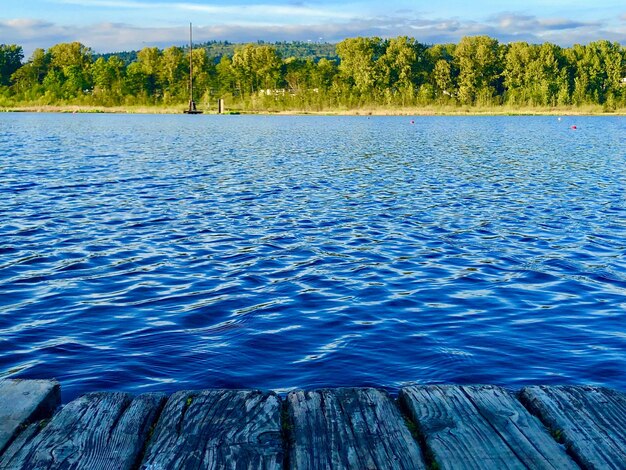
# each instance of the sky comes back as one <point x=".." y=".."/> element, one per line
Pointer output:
<point x="117" y="25"/>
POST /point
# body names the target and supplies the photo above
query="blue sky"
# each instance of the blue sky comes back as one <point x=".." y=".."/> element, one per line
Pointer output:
<point x="112" y="25"/>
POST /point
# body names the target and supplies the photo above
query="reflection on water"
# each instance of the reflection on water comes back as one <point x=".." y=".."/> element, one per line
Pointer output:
<point x="168" y="252"/>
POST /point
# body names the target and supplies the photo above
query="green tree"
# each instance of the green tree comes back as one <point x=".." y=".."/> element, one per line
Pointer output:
<point x="478" y="59"/>
<point x="358" y="68"/>
<point x="69" y="69"/>
<point x="53" y="85"/>
<point x="398" y="66"/>
<point x="442" y="71"/>
<point x="267" y="66"/>
<point x="518" y="59"/>
<point x="10" y="61"/>
<point x="135" y="88"/>
<point x="108" y="77"/>
<point x="297" y="73"/>
<point x="28" y="78"/>
<point x="442" y="78"/>
<point x="554" y="83"/>
<point x="601" y="67"/>
<point x="149" y="66"/>
<point x="323" y="74"/>
<point x="256" y="67"/>
<point x="203" y="74"/>
<point x="226" y="80"/>
<point x="173" y="69"/>
<point x="243" y="65"/>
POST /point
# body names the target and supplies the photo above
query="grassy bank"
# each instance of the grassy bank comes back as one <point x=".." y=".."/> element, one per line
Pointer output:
<point x="460" y="111"/>
<point x="431" y="110"/>
<point x="94" y="109"/>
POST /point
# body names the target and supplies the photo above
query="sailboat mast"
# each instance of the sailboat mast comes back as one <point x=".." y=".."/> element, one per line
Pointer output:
<point x="192" y="104"/>
<point x="190" y="65"/>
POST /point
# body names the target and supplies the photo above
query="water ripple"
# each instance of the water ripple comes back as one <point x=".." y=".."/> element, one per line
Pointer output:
<point x="159" y="252"/>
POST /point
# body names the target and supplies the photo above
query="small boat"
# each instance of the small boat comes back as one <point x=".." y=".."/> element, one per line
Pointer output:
<point x="192" y="104"/>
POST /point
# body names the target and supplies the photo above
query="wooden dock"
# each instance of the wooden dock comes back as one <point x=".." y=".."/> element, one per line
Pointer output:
<point x="426" y="427"/>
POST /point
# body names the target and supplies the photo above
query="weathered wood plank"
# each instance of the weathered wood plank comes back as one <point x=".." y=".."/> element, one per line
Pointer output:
<point x="469" y="427"/>
<point x="211" y="429"/>
<point x="591" y="421"/>
<point x="349" y="428"/>
<point x="97" y="431"/>
<point x="23" y="401"/>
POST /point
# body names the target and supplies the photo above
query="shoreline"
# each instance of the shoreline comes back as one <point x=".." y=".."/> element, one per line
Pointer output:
<point x="370" y="111"/>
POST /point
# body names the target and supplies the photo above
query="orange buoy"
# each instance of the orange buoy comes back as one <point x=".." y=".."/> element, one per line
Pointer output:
<point x="573" y="127"/>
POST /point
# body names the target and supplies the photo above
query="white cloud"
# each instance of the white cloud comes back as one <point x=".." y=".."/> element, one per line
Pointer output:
<point x="111" y="37"/>
<point x="107" y="3"/>
<point x="266" y="10"/>
<point x="252" y="11"/>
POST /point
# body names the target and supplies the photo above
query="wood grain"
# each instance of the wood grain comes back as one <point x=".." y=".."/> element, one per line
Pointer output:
<point x="591" y="421"/>
<point x="349" y="428"/>
<point x="217" y="429"/>
<point x="97" y="431"/>
<point x="470" y="427"/>
<point x="24" y="401"/>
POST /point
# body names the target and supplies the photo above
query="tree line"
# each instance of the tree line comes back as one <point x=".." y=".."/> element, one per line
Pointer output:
<point x="367" y="71"/>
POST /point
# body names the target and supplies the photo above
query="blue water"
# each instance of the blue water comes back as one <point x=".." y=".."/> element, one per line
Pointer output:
<point x="166" y="252"/>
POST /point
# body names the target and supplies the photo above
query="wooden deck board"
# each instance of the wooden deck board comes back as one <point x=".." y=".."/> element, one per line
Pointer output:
<point x="217" y="429"/>
<point x="349" y="428"/>
<point x="23" y="401"/>
<point x="96" y="431"/>
<point x="469" y="427"/>
<point x="462" y="427"/>
<point x="591" y="421"/>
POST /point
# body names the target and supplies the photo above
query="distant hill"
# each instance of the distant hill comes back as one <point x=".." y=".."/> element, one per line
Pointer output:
<point x="218" y="49"/>
<point x="305" y="50"/>
<point x="128" y="57"/>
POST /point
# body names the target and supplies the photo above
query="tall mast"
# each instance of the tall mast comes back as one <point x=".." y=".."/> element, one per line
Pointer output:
<point x="190" y="65"/>
<point x="192" y="104"/>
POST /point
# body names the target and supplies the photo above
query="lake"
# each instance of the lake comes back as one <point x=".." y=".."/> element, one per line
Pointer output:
<point x="146" y="252"/>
